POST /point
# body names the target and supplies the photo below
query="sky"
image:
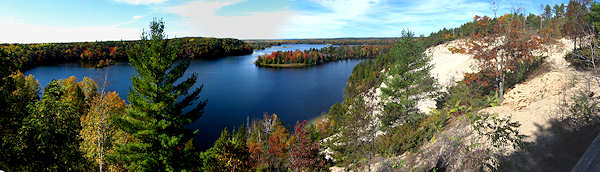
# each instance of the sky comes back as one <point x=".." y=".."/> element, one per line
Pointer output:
<point x="43" y="21"/>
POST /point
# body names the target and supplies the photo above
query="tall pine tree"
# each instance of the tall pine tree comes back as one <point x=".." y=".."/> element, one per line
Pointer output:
<point x="162" y="104"/>
<point x="411" y="80"/>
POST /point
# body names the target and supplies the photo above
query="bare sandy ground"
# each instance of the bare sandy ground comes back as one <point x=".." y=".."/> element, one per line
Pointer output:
<point x="535" y="102"/>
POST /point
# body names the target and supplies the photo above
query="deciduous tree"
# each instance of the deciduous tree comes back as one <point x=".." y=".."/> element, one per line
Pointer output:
<point x="499" y="45"/>
<point x="304" y="153"/>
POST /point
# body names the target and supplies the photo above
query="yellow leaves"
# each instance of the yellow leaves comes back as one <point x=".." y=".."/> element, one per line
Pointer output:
<point x="26" y="86"/>
<point x="96" y="125"/>
<point x="457" y="50"/>
<point x="323" y="126"/>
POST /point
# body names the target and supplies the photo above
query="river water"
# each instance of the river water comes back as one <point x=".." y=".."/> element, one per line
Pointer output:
<point x="235" y="89"/>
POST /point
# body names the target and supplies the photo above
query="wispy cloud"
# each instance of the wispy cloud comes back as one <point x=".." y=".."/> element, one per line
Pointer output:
<point x="200" y="18"/>
<point x="141" y="2"/>
<point x="377" y="18"/>
<point x="32" y="33"/>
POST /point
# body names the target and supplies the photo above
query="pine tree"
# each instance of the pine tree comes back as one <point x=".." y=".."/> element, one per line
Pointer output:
<point x="156" y="118"/>
<point x="547" y="12"/>
<point x="411" y="80"/>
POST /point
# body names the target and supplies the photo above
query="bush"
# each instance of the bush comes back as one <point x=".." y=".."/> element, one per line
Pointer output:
<point x="583" y="111"/>
<point x="499" y="130"/>
<point x="410" y="136"/>
<point x="522" y="70"/>
<point x="581" y="59"/>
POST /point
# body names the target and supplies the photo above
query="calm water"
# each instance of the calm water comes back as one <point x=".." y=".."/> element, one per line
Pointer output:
<point x="235" y="88"/>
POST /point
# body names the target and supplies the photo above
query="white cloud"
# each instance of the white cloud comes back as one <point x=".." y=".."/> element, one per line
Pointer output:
<point x="340" y="15"/>
<point x="137" y="17"/>
<point x="18" y="31"/>
<point x="199" y="17"/>
<point x="141" y="2"/>
<point x="366" y="18"/>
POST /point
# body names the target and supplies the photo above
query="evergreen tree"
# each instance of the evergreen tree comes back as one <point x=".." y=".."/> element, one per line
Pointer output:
<point x="547" y="12"/>
<point x="411" y="80"/>
<point x="161" y="106"/>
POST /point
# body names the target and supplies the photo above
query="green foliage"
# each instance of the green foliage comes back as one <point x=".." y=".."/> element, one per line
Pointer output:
<point x="411" y="80"/>
<point x="500" y="131"/>
<point x="522" y="69"/>
<point x="156" y="118"/>
<point x="101" y="54"/>
<point x="11" y="117"/>
<point x="583" y="110"/>
<point x="594" y="16"/>
<point x="336" y="114"/>
<point x="410" y="136"/>
<point x="49" y="135"/>
<point x="99" y="133"/>
<point x="229" y="153"/>
<point x="581" y="59"/>
<point x="355" y="142"/>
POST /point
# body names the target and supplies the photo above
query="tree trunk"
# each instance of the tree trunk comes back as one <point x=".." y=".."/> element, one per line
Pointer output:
<point x="501" y="88"/>
<point x="574" y="44"/>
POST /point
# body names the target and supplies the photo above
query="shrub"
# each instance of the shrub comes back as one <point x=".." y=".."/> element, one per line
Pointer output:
<point x="581" y="59"/>
<point x="583" y="111"/>
<point x="410" y="136"/>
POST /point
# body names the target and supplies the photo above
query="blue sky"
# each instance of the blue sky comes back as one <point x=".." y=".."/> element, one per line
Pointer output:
<point x="26" y="21"/>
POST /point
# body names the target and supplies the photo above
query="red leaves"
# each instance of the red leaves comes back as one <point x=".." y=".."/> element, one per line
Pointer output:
<point x="304" y="153"/>
<point x="112" y="51"/>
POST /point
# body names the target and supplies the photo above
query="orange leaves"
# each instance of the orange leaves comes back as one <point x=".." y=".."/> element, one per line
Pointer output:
<point x="256" y="150"/>
<point x="471" y="77"/>
<point x="278" y="143"/>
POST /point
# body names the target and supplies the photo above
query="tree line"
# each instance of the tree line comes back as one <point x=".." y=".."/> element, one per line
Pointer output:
<point x="262" y="44"/>
<point x="320" y="56"/>
<point x="105" y="53"/>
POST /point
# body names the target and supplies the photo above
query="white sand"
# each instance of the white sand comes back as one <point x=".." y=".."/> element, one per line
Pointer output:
<point x="535" y="102"/>
<point x="448" y="68"/>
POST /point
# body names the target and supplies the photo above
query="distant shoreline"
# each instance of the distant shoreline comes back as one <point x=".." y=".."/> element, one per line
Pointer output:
<point x="291" y="65"/>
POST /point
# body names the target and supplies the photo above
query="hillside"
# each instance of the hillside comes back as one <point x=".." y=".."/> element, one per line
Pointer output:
<point x="535" y="104"/>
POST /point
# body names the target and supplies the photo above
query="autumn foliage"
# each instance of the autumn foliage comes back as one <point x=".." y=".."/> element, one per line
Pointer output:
<point x="30" y="55"/>
<point x="321" y="56"/>
<point x="499" y="47"/>
<point x="304" y="153"/>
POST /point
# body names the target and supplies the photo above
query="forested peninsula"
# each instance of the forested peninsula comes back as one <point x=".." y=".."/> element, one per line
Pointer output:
<point x="286" y="59"/>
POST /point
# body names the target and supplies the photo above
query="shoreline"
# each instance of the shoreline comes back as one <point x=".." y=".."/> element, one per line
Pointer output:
<point x="290" y="65"/>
